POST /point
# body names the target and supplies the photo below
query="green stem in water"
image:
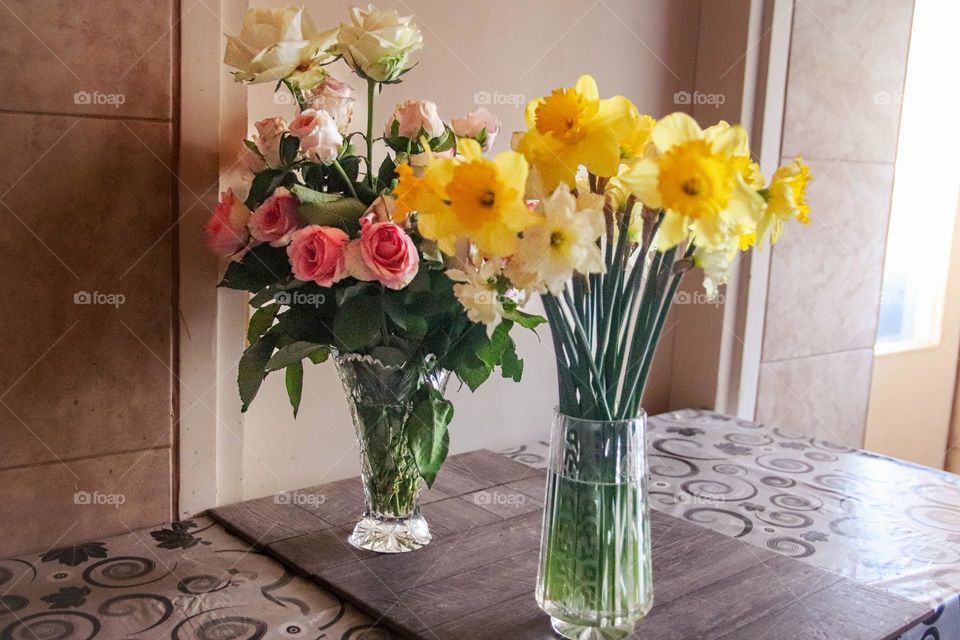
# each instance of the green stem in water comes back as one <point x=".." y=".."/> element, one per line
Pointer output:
<point x="371" y="87"/>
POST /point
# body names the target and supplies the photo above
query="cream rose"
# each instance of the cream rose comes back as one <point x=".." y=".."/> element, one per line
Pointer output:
<point x="274" y="43"/>
<point x="269" y="132"/>
<point x="413" y="118"/>
<point x="334" y="97"/>
<point x="376" y="43"/>
<point x="475" y="124"/>
<point x="319" y="138"/>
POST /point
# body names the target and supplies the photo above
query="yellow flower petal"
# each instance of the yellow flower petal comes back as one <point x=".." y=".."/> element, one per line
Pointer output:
<point x="599" y="152"/>
<point x="731" y="140"/>
<point x="587" y="87"/>
<point x="641" y="180"/>
<point x="513" y="168"/>
<point x="675" y="128"/>
<point x="469" y="148"/>
<point x="673" y="230"/>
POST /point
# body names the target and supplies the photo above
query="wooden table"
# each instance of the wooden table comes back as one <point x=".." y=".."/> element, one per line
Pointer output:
<point x="476" y="579"/>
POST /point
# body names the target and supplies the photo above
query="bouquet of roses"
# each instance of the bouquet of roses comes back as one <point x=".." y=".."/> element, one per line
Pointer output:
<point x="335" y="268"/>
<point x="332" y="264"/>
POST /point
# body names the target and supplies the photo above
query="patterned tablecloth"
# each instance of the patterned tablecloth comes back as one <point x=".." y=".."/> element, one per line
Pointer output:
<point x="874" y="519"/>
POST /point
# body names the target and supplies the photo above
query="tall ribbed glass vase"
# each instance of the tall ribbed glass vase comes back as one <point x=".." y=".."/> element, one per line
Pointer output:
<point x="381" y="398"/>
<point x="595" y="570"/>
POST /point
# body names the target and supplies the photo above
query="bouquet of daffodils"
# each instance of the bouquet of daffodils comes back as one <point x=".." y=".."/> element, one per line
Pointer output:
<point x="601" y="210"/>
<point x="334" y="265"/>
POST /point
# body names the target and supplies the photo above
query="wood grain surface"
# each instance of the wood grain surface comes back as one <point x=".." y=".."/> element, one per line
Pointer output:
<point x="476" y="579"/>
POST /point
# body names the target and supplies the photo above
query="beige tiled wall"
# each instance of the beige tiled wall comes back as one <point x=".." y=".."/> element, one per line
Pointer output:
<point x="846" y="75"/>
<point x="86" y="182"/>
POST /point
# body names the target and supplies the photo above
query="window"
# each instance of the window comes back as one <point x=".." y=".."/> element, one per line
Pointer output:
<point x="926" y="184"/>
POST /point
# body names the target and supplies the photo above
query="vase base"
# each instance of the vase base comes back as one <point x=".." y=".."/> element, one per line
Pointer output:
<point x="582" y="632"/>
<point x="391" y="535"/>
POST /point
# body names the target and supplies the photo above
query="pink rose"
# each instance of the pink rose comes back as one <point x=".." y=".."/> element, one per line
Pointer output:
<point x="319" y="137"/>
<point x="384" y="252"/>
<point x="414" y="115"/>
<point x="277" y="218"/>
<point x="227" y="230"/>
<point x="334" y="97"/>
<point x="474" y="124"/>
<point x="269" y="131"/>
<point x="316" y="253"/>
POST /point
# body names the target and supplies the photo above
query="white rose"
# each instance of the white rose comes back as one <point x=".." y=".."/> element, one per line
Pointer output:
<point x="475" y="124"/>
<point x="319" y="138"/>
<point x="376" y="43"/>
<point x="334" y="97"/>
<point x="274" y="43"/>
<point x="269" y="131"/>
<point x="414" y="116"/>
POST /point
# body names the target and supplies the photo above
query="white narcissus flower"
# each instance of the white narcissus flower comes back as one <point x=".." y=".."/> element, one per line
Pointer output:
<point x="319" y="138"/>
<point x="275" y="43"/>
<point x="475" y="124"/>
<point x="376" y="43"/>
<point x="476" y="290"/>
<point x="269" y="131"/>
<point x="334" y="97"/>
<point x="550" y="252"/>
<point x="716" y="264"/>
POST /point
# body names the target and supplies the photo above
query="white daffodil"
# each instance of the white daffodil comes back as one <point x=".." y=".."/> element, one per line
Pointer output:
<point x="564" y="242"/>
<point x="477" y="291"/>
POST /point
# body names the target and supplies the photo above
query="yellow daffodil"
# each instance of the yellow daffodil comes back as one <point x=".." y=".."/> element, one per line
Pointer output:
<point x="468" y="197"/>
<point x="573" y="127"/>
<point x="638" y="137"/>
<point x="787" y="199"/>
<point x="702" y="179"/>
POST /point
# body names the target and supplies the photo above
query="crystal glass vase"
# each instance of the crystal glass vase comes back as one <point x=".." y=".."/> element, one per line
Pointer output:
<point x="595" y="573"/>
<point x="381" y="398"/>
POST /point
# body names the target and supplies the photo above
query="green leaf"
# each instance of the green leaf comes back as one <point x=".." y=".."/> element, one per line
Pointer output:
<point x="358" y="323"/>
<point x="263" y="185"/>
<point x="261" y="267"/>
<point x="511" y="366"/>
<point x="289" y="146"/>
<point x="525" y="320"/>
<point x="350" y="166"/>
<point x="413" y="324"/>
<point x="426" y="432"/>
<point x="491" y="352"/>
<point x="250" y="144"/>
<point x="446" y="140"/>
<point x="329" y="209"/>
<point x="387" y="172"/>
<point x="320" y="356"/>
<point x="294" y="382"/>
<point x="463" y="357"/>
<point x="260" y="321"/>
<point x="294" y="354"/>
<point x="252" y="369"/>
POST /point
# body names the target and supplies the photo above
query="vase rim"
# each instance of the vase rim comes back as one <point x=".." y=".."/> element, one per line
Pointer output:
<point x="369" y="359"/>
<point x="642" y="416"/>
